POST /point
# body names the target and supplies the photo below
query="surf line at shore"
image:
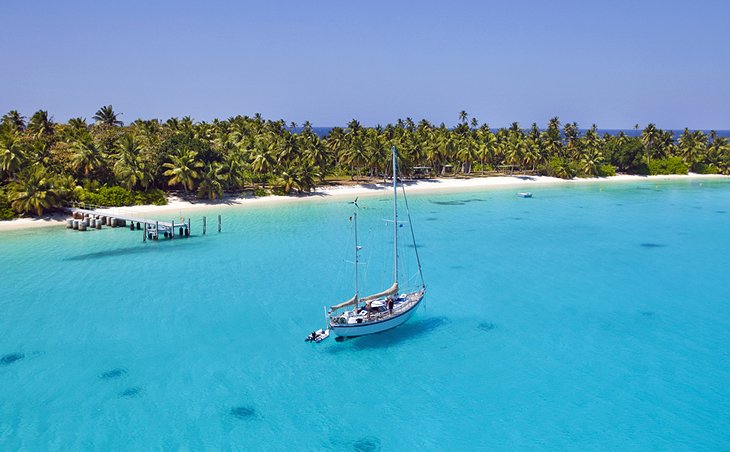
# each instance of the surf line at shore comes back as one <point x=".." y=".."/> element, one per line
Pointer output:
<point x="177" y="205"/>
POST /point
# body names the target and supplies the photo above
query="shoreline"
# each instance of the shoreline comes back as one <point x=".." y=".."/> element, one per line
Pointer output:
<point x="179" y="205"/>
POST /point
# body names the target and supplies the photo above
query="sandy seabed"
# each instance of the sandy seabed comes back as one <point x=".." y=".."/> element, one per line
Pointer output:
<point x="178" y="207"/>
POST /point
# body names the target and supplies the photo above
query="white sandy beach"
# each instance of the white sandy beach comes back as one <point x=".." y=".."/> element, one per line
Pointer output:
<point x="177" y="207"/>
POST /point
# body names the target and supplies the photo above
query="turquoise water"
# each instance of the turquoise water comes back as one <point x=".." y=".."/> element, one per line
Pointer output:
<point x="588" y="317"/>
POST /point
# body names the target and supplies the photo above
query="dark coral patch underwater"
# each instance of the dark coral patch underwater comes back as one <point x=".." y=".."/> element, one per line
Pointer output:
<point x="243" y="412"/>
<point x="131" y="392"/>
<point x="367" y="444"/>
<point x="114" y="373"/>
<point x="11" y="358"/>
<point x="653" y="245"/>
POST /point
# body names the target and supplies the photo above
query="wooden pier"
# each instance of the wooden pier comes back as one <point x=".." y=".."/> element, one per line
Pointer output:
<point x="95" y="217"/>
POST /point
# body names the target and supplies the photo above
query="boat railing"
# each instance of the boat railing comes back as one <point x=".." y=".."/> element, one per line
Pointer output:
<point x="379" y="315"/>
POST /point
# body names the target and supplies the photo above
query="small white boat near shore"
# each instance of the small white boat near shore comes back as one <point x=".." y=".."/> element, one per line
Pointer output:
<point x="524" y="194"/>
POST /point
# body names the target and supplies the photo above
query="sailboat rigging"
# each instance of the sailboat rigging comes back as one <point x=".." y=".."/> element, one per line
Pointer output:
<point x="383" y="310"/>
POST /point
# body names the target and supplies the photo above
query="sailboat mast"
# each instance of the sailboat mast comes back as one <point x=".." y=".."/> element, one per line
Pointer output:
<point x="357" y="293"/>
<point x="395" y="216"/>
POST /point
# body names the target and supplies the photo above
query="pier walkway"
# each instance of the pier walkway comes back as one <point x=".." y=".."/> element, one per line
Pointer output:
<point x="94" y="217"/>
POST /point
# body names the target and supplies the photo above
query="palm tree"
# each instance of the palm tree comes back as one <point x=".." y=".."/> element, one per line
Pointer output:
<point x="40" y="151"/>
<point x="182" y="169"/>
<point x="354" y="154"/>
<point x="299" y="178"/>
<point x="86" y="157"/>
<point x="515" y="146"/>
<point x="591" y="160"/>
<point x="315" y="153"/>
<point x="262" y="159"/>
<point x="14" y="121"/>
<point x="34" y="192"/>
<point x="649" y="137"/>
<point x="550" y="141"/>
<point x="513" y="152"/>
<point x="173" y="124"/>
<point x="486" y="144"/>
<point x="75" y="128"/>
<point x="106" y="116"/>
<point x="693" y="146"/>
<point x="287" y="146"/>
<point x="129" y="168"/>
<point x="532" y="152"/>
<point x="466" y="153"/>
<point x="233" y="169"/>
<point x="570" y="131"/>
<point x="289" y="179"/>
<point x="40" y="123"/>
<point x="463" y="116"/>
<point x="211" y="184"/>
<point x="12" y="154"/>
<point x="336" y="142"/>
<point x="78" y="124"/>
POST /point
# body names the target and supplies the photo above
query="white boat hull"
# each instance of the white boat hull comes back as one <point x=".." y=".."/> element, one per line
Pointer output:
<point x="364" y="328"/>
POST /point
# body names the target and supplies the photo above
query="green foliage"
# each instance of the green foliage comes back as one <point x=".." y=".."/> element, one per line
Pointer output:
<point x="702" y="168"/>
<point x="486" y="168"/>
<point x="6" y="213"/>
<point x="561" y="167"/>
<point x="259" y="192"/>
<point x="669" y="165"/>
<point x="155" y="197"/>
<point x="107" y="196"/>
<point x="120" y="196"/>
<point x="35" y="190"/>
<point x="606" y="170"/>
<point x="625" y="153"/>
<point x="240" y="153"/>
<point x="641" y="169"/>
<point x="175" y="143"/>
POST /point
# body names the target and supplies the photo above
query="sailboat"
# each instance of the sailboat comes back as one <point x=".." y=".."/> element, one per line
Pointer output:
<point x="383" y="310"/>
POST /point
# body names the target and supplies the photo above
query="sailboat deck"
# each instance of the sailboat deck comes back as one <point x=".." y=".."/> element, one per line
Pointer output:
<point x="401" y="305"/>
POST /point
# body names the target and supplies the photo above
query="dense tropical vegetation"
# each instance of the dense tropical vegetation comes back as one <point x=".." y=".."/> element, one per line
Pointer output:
<point x="44" y="164"/>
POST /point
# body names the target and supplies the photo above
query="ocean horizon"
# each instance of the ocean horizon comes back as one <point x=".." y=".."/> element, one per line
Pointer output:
<point x="323" y="131"/>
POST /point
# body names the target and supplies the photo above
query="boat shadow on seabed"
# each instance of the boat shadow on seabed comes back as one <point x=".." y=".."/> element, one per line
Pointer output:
<point x="406" y="332"/>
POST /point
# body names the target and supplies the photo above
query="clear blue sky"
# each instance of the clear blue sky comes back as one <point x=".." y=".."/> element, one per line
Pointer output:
<point x="613" y="63"/>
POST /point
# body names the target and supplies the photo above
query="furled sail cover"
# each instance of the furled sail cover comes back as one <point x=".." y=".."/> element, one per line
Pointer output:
<point x="392" y="291"/>
<point x="349" y="302"/>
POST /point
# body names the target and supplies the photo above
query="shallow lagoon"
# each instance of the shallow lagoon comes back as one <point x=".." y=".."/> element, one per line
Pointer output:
<point x="590" y="316"/>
